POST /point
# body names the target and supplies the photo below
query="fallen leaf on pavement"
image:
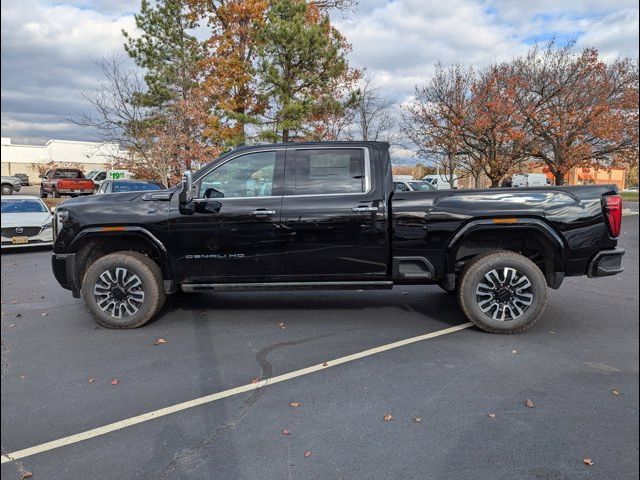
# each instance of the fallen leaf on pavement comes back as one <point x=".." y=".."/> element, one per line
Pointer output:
<point x="307" y="453"/>
<point x="159" y="341"/>
<point x="325" y="364"/>
<point x="529" y="403"/>
<point x="587" y="461"/>
<point x="286" y="432"/>
<point x="22" y="377"/>
<point x="13" y="325"/>
<point x="388" y="417"/>
<point x="491" y="415"/>
<point x="282" y="325"/>
<point x="417" y="419"/>
<point x="615" y="392"/>
<point x="294" y="404"/>
<point x="255" y="380"/>
<point x="18" y="315"/>
<point x="514" y="351"/>
<point x="45" y="314"/>
<point x="91" y="380"/>
<point x="26" y="474"/>
<point x="115" y="381"/>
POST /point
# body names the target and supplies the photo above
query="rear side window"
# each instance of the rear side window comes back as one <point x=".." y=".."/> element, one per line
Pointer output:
<point x="334" y="170"/>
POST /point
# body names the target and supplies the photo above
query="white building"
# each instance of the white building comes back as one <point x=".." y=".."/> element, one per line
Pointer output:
<point x="30" y="159"/>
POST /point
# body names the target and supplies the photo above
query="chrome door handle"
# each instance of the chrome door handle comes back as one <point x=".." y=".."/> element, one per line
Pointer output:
<point x="364" y="209"/>
<point x="263" y="213"/>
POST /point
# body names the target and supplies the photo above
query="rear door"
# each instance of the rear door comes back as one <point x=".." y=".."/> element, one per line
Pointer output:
<point x="334" y="219"/>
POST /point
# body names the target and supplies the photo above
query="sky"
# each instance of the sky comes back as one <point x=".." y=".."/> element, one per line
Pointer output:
<point x="48" y="47"/>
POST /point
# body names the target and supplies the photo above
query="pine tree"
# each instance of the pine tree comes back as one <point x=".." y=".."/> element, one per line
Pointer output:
<point x="301" y="63"/>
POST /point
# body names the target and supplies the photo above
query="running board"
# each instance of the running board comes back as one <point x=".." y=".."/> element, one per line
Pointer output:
<point x="242" y="287"/>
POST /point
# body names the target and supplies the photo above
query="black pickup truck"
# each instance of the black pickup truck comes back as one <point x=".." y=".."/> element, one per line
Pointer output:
<point x="325" y="216"/>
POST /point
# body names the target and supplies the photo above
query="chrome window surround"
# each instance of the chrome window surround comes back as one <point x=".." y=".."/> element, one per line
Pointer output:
<point x="367" y="173"/>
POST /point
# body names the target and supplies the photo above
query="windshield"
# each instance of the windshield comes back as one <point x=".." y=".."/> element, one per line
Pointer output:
<point x="421" y="186"/>
<point x="134" y="186"/>
<point x="67" y="174"/>
<point x="22" y="205"/>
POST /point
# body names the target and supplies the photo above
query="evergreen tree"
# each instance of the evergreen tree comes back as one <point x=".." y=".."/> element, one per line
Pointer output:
<point x="167" y="50"/>
<point x="301" y="63"/>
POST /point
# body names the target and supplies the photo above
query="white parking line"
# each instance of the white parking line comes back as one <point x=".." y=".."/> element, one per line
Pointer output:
<point x="128" y="422"/>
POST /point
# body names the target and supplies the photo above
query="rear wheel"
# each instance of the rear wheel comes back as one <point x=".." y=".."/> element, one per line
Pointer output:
<point x="43" y="194"/>
<point x="502" y="292"/>
<point x="7" y="189"/>
<point x="123" y="289"/>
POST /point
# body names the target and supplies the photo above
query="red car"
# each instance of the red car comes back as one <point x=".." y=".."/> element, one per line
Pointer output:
<point x="65" y="181"/>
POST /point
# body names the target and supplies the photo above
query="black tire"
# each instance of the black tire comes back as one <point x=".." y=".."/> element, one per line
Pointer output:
<point x="484" y="295"/>
<point x="7" y="189"/>
<point x="42" y="193"/>
<point x="136" y="266"/>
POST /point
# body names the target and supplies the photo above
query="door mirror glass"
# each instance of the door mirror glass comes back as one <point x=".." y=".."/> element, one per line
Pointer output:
<point x="186" y="194"/>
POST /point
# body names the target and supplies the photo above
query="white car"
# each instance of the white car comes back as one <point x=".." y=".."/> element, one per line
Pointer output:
<point x="26" y="222"/>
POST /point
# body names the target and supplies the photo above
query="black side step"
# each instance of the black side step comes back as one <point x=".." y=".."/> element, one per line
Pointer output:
<point x="276" y="286"/>
<point x="413" y="270"/>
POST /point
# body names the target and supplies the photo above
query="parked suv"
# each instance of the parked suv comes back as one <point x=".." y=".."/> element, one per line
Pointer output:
<point x="325" y="216"/>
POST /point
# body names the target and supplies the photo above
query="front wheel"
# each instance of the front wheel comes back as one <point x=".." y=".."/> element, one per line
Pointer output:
<point x="7" y="189"/>
<point x="502" y="292"/>
<point x="123" y="289"/>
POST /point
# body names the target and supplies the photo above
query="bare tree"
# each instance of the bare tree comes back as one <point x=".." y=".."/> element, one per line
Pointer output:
<point x="373" y="116"/>
<point x="114" y="112"/>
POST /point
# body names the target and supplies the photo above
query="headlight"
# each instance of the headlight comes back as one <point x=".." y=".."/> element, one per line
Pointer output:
<point x="48" y="225"/>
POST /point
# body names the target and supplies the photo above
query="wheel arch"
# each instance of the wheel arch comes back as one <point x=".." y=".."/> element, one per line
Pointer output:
<point x="521" y="235"/>
<point x="92" y="243"/>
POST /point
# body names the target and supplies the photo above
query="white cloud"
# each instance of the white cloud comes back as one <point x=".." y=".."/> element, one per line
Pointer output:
<point x="48" y="46"/>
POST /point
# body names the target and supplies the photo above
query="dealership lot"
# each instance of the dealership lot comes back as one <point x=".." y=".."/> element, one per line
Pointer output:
<point x="58" y="368"/>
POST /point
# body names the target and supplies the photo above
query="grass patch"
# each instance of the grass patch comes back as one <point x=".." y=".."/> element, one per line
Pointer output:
<point x="630" y="196"/>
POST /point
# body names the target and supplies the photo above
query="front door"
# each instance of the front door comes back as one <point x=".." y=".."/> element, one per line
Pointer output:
<point x="233" y="233"/>
<point x="334" y="219"/>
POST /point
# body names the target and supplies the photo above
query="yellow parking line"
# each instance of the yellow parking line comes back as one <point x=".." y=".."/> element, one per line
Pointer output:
<point x="128" y="422"/>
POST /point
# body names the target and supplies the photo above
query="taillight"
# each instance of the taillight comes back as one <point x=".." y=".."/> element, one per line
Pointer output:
<point x="613" y="213"/>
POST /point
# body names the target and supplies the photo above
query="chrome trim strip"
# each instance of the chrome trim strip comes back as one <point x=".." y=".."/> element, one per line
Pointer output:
<point x="367" y="172"/>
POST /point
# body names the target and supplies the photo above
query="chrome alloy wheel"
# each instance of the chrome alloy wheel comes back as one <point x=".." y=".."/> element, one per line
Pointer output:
<point x="118" y="292"/>
<point x="504" y="295"/>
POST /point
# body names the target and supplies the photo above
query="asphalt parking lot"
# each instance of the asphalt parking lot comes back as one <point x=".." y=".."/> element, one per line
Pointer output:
<point x="468" y="388"/>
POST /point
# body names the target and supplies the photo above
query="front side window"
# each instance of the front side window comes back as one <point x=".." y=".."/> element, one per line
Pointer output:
<point x="326" y="171"/>
<point x="400" y="187"/>
<point x="250" y="175"/>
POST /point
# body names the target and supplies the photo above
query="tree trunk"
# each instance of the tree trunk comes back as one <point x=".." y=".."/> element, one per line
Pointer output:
<point x="495" y="183"/>
<point x="285" y="135"/>
<point x="559" y="176"/>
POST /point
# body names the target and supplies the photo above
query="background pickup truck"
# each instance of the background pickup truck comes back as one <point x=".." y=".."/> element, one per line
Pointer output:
<point x="65" y="181"/>
<point x="325" y="216"/>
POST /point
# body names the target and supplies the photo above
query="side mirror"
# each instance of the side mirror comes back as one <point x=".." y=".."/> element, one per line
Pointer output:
<point x="186" y="194"/>
<point x="53" y="209"/>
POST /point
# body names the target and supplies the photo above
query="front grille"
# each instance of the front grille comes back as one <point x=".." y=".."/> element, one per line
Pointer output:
<point x="21" y="232"/>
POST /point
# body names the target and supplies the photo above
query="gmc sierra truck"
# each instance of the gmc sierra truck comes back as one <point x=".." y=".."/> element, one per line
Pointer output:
<point x="325" y="216"/>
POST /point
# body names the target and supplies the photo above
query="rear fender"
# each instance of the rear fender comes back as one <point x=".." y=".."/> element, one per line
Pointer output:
<point x="520" y="225"/>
